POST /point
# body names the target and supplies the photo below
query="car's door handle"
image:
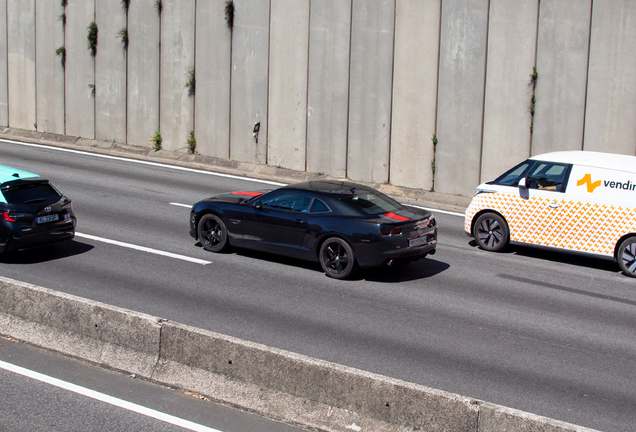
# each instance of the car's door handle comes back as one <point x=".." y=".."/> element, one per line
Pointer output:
<point x="553" y="204"/>
<point x="300" y="221"/>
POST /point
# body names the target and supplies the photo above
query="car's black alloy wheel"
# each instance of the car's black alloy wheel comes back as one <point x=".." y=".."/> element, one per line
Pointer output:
<point x="212" y="233"/>
<point x="337" y="258"/>
<point x="491" y="232"/>
<point x="626" y="256"/>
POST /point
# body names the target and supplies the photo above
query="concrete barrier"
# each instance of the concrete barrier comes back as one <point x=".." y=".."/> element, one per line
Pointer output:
<point x="279" y="384"/>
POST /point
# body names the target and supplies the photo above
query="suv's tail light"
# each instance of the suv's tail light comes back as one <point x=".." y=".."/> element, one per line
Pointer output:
<point x="11" y="216"/>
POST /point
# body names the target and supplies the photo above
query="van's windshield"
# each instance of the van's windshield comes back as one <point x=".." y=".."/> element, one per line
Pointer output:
<point x="513" y="175"/>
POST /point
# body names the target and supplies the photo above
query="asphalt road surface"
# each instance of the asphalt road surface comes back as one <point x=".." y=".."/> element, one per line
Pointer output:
<point x="546" y="333"/>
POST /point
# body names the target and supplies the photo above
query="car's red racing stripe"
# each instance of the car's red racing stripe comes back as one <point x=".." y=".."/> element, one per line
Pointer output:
<point x="247" y="193"/>
<point x="396" y="217"/>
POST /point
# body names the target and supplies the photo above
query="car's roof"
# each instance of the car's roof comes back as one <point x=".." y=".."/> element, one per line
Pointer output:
<point x="329" y="186"/>
<point x="591" y="159"/>
<point x="8" y="174"/>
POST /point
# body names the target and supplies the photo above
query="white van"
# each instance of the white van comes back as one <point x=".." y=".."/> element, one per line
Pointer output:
<point x="576" y="201"/>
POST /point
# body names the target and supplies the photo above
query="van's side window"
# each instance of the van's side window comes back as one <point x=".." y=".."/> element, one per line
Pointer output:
<point x="512" y="176"/>
<point x="547" y="176"/>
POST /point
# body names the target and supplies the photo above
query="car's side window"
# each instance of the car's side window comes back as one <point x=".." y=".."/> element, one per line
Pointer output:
<point x="547" y="176"/>
<point x="319" y="207"/>
<point x="288" y="201"/>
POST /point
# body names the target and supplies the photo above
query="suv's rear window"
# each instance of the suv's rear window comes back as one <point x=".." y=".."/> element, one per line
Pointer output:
<point x="372" y="202"/>
<point x="31" y="193"/>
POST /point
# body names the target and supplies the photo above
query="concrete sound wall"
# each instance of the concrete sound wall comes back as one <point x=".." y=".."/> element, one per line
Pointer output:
<point x="348" y="88"/>
<point x="279" y="384"/>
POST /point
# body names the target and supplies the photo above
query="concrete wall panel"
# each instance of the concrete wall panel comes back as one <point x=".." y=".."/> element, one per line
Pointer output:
<point x="414" y="92"/>
<point x="328" y="86"/>
<point x="80" y="70"/>
<point x="50" y="70"/>
<point x="177" y="58"/>
<point x="372" y="35"/>
<point x="143" y="72"/>
<point x="21" y="58"/>
<point x="214" y="66"/>
<point x="461" y="95"/>
<point x="288" y="59"/>
<point x="110" y="72"/>
<point x="562" y="62"/>
<point x="4" y="89"/>
<point x="250" y="48"/>
<point x="610" y="117"/>
<point x="512" y="36"/>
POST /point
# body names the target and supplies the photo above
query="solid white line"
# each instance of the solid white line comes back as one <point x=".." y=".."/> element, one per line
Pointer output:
<point x="439" y="211"/>
<point x="174" y="167"/>
<point x="143" y="249"/>
<point x="167" y="418"/>
<point x="181" y="205"/>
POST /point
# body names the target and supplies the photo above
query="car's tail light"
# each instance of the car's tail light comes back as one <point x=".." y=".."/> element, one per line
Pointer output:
<point x="389" y="231"/>
<point x="7" y="217"/>
<point x="11" y="217"/>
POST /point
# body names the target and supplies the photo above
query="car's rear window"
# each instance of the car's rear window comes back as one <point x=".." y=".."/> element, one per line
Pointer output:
<point x="31" y="193"/>
<point x="372" y="202"/>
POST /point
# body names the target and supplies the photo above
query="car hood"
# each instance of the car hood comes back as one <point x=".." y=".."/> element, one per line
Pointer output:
<point x="234" y="197"/>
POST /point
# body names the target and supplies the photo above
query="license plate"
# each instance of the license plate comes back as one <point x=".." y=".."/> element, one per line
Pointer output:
<point x="417" y="241"/>
<point x="47" y="218"/>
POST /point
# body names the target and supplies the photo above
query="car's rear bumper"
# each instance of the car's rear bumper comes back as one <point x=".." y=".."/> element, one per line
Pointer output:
<point x="368" y="255"/>
<point x="24" y="240"/>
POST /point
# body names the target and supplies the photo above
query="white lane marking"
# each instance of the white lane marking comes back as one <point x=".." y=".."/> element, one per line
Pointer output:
<point x="148" y="412"/>
<point x="174" y="167"/>
<point x="181" y="205"/>
<point x="143" y="249"/>
<point x="439" y="211"/>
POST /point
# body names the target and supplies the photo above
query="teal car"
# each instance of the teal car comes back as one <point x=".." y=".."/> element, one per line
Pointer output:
<point x="33" y="212"/>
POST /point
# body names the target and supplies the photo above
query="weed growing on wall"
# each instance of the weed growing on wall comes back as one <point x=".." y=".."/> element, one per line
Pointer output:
<point x="61" y="51"/>
<point x="229" y="14"/>
<point x="92" y="87"/>
<point x="125" y="4"/>
<point x="62" y="18"/>
<point x="123" y="34"/>
<point x="191" y="81"/>
<point x="157" y="140"/>
<point x="434" y="139"/>
<point x="533" y="83"/>
<point x="158" y="6"/>
<point x="191" y="143"/>
<point x="92" y="38"/>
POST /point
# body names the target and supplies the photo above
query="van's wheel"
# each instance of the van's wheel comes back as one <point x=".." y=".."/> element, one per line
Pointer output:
<point x="337" y="258"/>
<point x="626" y="256"/>
<point x="212" y="233"/>
<point x="491" y="232"/>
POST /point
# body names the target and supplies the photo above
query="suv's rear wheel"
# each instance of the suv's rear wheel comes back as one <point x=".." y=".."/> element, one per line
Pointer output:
<point x="626" y="256"/>
<point x="491" y="232"/>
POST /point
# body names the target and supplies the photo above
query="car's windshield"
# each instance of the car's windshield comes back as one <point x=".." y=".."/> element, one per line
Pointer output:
<point x="372" y="202"/>
<point x="512" y="176"/>
<point x="30" y="193"/>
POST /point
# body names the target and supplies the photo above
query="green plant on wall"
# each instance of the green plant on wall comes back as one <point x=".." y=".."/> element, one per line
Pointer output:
<point x="190" y="81"/>
<point x="157" y="140"/>
<point x="61" y="51"/>
<point x="533" y="83"/>
<point x="125" y="4"/>
<point x="92" y="87"/>
<point x="123" y="34"/>
<point x="191" y="143"/>
<point x="92" y="38"/>
<point x="62" y="18"/>
<point x="229" y="14"/>
<point x="158" y="6"/>
<point x="434" y="139"/>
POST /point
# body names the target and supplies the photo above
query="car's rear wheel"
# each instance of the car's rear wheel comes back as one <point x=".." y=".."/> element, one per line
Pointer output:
<point x="626" y="256"/>
<point x="212" y="233"/>
<point x="491" y="232"/>
<point x="337" y="258"/>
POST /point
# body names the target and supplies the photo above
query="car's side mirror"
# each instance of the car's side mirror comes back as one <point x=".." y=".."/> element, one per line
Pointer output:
<point x="522" y="184"/>
<point x="258" y="205"/>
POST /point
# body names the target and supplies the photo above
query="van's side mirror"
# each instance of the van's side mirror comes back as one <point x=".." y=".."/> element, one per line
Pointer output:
<point x="522" y="184"/>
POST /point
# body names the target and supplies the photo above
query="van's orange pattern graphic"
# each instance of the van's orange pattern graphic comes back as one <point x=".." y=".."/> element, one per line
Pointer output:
<point x="573" y="225"/>
<point x="587" y="178"/>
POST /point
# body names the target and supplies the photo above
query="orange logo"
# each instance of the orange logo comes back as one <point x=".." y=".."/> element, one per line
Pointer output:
<point x="587" y="179"/>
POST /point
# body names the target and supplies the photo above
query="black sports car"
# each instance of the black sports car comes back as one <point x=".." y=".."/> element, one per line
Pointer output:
<point x="33" y="212"/>
<point x="342" y="225"/>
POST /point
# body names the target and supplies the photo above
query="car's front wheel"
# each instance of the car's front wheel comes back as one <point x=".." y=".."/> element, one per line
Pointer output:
<point x="337" y="258"/>
<point x="491" y="232"/>
<point x="212" y="233"/>
<point x="626" y="256"/>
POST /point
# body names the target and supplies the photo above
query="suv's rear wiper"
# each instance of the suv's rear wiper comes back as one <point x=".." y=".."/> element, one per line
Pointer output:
<point x="34" y="201"/>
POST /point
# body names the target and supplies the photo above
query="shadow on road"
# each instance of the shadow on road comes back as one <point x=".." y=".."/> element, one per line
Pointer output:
<point x="46" y="253"/>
